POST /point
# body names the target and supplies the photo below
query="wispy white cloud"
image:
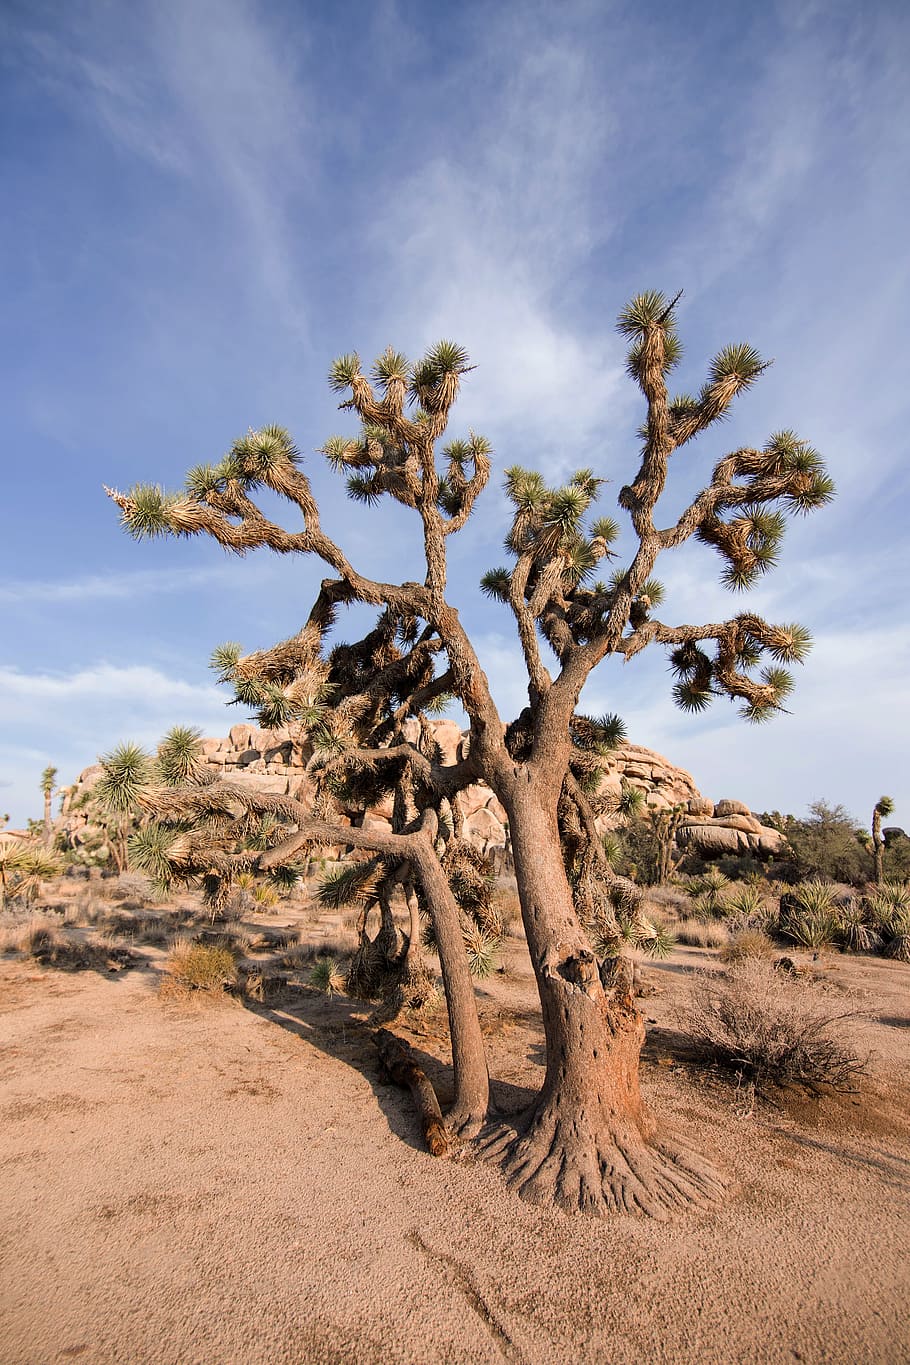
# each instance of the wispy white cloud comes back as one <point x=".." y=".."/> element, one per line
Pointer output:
<point x="247" y="575"/>
<point x="112" y="703"/>
<point x="141" y="687"/>
<point x="479" y="244"/>
<point x="207" y="92"/>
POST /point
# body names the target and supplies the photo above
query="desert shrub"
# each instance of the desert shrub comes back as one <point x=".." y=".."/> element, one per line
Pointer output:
<point x="131" y="886"/>
<point x="209" y="968"/>
<point x="43" y="940"/>
<point x="827" y="844"/>
<point x="671" y="900"/>
<point x="699" y="933"/>
<point x="747" y="943"/>
<point x="896" y="854"/>
<point x="770" y="1027"/>
<point x="327" y="976"/>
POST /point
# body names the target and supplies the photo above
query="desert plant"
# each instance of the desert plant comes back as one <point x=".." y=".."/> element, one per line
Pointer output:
<point x="24" y="864"/>
<point x="747" y="943"/>
<point x="265" y="896"/>
<point x="828" y="844"/>
<point x="708" y="892"/>
<point x="326" y="976"/>
<point x="209" y="968"/>
<point x="48" y="783"/>
<point x="585" y="1141"/>
<point x="884" y="806"/>
<point x="856" y="929"/>
<point x="482" y="949"/>
<point x="888" y="908"/>
<point x="809" y="914"/>
<point x="770" y="1027"/>
<point x="699" y="933"/>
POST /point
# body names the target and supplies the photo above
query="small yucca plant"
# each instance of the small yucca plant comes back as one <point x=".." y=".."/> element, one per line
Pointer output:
<point x="659" y="943"/>
<point x="815" y="896"/>
<point x="327" y="976"/>
<point x="855" y="931"/>
<point x="746" y="901"/>
<point x="265" y="895"/>
<point x="811" y="921"/>
<point x="482" y="950"/>
<point x="898" y="943"/>
<point x="809" y="929"/>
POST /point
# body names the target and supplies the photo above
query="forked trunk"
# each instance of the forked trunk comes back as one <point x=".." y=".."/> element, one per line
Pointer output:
<point x="588" y="1142"/>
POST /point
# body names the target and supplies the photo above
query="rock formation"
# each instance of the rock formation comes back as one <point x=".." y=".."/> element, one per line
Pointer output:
<point x="270" y="761"/>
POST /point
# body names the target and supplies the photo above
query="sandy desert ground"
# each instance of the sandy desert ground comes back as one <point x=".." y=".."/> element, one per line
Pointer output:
<point x="230" y="1183"/>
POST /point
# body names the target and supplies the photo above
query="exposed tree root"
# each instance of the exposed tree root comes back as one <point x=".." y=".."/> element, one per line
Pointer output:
<point x="463" y="1124"/>
<point x="598" y="1163"/>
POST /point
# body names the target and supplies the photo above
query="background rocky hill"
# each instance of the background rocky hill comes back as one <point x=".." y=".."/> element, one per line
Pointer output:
<point x="269" y="760"/>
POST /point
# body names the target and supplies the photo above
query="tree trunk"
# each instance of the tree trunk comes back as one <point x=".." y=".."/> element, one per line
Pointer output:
<point x="48" y="823"/>
<point x="878" y="848"/>
<point x="588" y="1142"/>
<point x="472" y="1084"/>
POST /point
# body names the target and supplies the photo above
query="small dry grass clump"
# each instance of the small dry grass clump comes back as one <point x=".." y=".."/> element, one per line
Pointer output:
<point x="699" y="933"/>
<point x="747" y="943"/>
<point x="770" y="1028"/>
<point x="198" y="967"/>
<point x="43" y="940"/>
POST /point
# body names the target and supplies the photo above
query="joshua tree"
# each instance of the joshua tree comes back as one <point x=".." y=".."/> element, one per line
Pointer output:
<point x="884" y="806"/>
<point x="587" y="1141"/>
<point x="48" y="782"/>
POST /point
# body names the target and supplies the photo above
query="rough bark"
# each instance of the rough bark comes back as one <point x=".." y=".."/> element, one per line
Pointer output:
<point x="472" y="1084"/>
<point x="398" y="1060"/>
<point x="588" y="1142"/>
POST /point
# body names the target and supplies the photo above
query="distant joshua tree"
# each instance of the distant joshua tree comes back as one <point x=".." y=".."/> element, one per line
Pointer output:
<point x="48" y="783"/>
<point x="883" y="807"/>
<point x="587" y="1141"/>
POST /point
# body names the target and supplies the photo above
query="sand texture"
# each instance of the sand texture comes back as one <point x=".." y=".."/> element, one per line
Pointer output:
<point x="228" y="1183"/>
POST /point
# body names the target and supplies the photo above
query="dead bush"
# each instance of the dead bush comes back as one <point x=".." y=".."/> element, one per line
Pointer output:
<point x="702" y="933"/>
<point x="206" y="968"/>
<point x="771" y="1028"/>
<point x="46" y="943"/>
<point x="747" y="943"/>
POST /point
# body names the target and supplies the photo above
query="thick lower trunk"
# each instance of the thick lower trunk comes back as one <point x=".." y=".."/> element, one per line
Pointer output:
<point x="588" y="1142"/>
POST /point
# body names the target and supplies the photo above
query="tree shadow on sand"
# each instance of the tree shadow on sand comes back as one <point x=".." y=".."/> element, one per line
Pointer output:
<point x="341" y="1027"/>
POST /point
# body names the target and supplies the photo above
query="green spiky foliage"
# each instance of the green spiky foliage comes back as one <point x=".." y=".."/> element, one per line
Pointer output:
<point x="811" y="918"/>
<point x="327" y="976"/>
<point x="179" y="758"/>
<point x="24" y="864"/>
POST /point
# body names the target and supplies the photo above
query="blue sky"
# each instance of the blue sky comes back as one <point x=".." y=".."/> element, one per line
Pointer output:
<point x="205" y="201"/>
